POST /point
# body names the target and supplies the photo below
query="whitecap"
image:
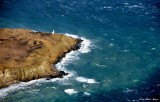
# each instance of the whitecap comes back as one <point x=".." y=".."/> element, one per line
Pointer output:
<point x="126" y="3"/>
<point x="5" y="91"/>
<point x="70" y="91"/>
<point x="135" y="6"/>
<point x="111" y="45"/>
<point x="86" y="80"/>
<point x="85" y="44"/>
<point x="87" y="93"/>
<point x="69" y="58"/>
<point x="23" y="85"/>
<point x="85" y="47"/>
<point x="99" y="65"/>
<point x="153" y="48"/>
<point x="125" y="50"/>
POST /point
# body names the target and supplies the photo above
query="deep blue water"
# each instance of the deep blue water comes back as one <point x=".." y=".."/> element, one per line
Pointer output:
<point x="125" y="52"/>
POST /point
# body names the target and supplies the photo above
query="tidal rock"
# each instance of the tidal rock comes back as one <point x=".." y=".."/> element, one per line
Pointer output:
<point x="26" y="55"/>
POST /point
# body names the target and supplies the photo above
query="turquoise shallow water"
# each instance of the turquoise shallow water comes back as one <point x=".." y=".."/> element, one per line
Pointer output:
<point x="121" y="64"/>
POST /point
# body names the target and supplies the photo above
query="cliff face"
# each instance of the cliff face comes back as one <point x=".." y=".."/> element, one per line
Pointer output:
<point x="27" y="55"/>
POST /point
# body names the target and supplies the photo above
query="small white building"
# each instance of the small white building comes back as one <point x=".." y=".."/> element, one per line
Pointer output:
<point x="53" y="32"/>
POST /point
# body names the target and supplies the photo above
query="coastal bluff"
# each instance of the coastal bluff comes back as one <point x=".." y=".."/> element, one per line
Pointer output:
<point x="27" y="55"/>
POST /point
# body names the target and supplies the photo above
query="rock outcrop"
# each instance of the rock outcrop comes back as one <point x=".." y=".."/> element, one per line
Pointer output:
<point x="26" y="55"/>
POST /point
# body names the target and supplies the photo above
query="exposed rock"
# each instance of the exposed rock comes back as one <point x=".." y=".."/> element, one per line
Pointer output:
<point x="26" y="55"/>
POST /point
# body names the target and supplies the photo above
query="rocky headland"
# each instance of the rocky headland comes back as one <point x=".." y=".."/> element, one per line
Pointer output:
<point x="26" y="55"/>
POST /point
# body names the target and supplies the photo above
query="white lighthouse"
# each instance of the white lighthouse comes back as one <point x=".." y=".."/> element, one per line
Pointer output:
<point x="53" y="32"/>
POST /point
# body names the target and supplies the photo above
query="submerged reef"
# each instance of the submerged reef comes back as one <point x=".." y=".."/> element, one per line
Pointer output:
<point x="27" y="55"/>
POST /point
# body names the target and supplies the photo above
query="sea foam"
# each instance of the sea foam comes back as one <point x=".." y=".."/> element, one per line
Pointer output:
<point x="73" y="55"/>
<point x="86" y="80"/>
<point x="70" y="91"/>
<point x="85" y="45"/>
<point x="87" y="93"/>
<point x="18" y="86"/>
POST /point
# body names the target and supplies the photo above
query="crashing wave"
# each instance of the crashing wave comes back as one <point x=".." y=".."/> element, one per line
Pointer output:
<point x="70" y="91"/>
<point x="86" y="80"/>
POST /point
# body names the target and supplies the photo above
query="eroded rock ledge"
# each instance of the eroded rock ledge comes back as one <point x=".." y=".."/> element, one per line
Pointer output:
<point x="26" y="55"/>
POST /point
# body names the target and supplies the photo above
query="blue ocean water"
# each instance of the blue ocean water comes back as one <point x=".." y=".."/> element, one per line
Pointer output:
<point x="120" y="58"/>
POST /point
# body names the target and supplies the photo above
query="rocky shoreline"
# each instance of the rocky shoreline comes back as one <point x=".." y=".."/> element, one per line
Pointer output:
<point x="27" y="55"/>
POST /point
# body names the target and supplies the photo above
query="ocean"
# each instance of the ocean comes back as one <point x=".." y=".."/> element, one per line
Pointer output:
<point x="119" y="58"/>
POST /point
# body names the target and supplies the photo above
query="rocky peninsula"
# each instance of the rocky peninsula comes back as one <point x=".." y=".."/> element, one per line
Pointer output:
<point x="26" y="55"/>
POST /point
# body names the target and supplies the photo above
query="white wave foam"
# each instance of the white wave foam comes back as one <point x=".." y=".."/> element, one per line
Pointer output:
<point x="18" y="86"/>
<point x="87" y="93"/>
<point x="85" y="44"/>
<point x="73" y="55"/>
<point x="69" y="58"/>
<point x="70" y="91"/>
<point x="22" y="85"/>
<point x="136" y="6"/>
<point x="99" y="65"/>
<point x="86" y="80"/>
